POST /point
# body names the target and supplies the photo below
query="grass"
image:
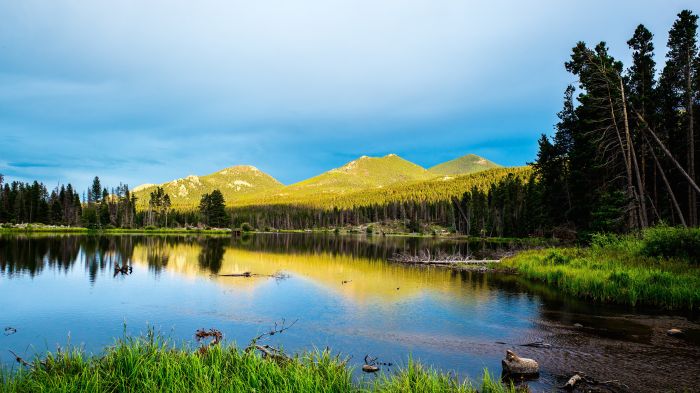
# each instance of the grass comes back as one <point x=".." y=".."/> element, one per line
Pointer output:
<point x="619" y="269"/>
<point x="152" y="364"/>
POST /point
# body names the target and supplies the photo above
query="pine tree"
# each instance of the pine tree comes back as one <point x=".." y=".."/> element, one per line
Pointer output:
<point x="679" y="98"/>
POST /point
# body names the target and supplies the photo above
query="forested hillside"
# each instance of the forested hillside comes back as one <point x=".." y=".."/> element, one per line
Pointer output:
<point x="471" y="163"/>
<point x="234" y="182"/>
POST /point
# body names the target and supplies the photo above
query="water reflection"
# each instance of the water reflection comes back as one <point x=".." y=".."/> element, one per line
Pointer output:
<point x="345" y="294"/>
<point x="30" y="254"/>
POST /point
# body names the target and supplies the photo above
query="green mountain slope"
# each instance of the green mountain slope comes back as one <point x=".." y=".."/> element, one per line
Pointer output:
<point x="434" y="189"/>
<point x="362" y="173"/>
<point x="471" y="163"/>
<point x="361" y="182"/>
<point x="235" y="182"/>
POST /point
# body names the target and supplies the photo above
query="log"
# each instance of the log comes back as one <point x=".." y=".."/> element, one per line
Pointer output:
<point x="515" y="365"/>
<point x="368" y="368"/>
<point x="571" y="383"/>
<point x="674" y="332"/>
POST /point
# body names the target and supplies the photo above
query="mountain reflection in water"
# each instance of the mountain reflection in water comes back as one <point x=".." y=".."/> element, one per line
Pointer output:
<point x="345" y="295"/>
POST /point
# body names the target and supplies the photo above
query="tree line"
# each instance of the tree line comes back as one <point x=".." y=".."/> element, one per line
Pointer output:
<point x="623" y="154"/>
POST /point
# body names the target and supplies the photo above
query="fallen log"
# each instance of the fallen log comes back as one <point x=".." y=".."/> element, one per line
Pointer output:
<point x="571" y="383"/>
<point x="370" y="368"/>
<point x="278" y="275"/>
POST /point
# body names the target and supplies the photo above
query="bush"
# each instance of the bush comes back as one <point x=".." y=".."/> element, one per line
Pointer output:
<point x="369" y="230"/>
<point x="150" y="227"/>
<point x="245" y="227"/>
<point x="669" y="242"/>
<point x="556" y="258"/>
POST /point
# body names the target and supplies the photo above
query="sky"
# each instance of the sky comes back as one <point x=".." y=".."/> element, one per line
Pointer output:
<point x="145" y="92"/>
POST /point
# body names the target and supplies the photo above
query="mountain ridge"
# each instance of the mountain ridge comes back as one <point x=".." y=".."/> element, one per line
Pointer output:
<point x="247" y="184"/>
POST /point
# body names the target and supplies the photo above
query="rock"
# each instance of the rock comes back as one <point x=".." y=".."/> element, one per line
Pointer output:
<point x="578" y="325"/>
<point x="369" y="368"/>
<point x="513" y="364"/>
<point x="674" y="332"/>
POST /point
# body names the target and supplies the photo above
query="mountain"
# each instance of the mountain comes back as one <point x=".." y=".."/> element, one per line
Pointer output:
<point x="234" y="182"/>
<point x="363" y="180"/>
<point x="471" y="163"/>
<point x="362" y="173"/>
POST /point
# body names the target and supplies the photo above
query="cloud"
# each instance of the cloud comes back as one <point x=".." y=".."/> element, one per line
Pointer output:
<point x="147" y="91"/>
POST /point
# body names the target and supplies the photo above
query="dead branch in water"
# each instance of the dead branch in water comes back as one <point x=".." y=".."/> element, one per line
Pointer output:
<point x="425" y="258"/>
<point x="280" y="327"/>
<point x="272" y="353"/>
<point x="580" y="378"/>
<point x="19" y="359"/>
<point x="214" y="334"/>
<point x="268" y="351"/>
<point x="277" y="276"/>
<point x="372" y="364"/>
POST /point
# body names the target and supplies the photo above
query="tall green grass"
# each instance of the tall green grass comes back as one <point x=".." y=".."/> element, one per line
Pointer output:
<point x="620" y="269"/>
<point x="152" y="364"/>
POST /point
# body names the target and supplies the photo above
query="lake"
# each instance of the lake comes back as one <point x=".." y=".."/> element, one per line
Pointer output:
<point x="343" y="294"/>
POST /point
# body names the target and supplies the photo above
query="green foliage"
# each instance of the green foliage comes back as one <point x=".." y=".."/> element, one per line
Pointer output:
<point x="246" y="227"/>
<point x="153" y="364"/>
<point x="618" y="269"/>
<point x="212" y="207"/>
<point x="668" y="242"/>
<point x="471" y="163"/>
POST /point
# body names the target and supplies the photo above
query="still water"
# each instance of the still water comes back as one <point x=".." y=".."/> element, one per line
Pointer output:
<point x="344" y="294"/>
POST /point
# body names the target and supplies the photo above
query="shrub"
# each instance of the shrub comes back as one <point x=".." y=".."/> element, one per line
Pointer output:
<point x="245" y="227"/>
<point x="669" y="242"/>
<point x="150" y="227"/>
<point x="557" y="258"/>
<point x="369" y="230"/>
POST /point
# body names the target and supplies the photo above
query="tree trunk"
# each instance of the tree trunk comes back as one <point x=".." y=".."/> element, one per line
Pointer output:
<point x="631" y="153"/>
<point x="668" y="185"/>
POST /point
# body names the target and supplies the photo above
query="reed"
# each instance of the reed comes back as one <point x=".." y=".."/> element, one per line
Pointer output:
<point x="616" y="269"/>
<point x="152" y="364"/>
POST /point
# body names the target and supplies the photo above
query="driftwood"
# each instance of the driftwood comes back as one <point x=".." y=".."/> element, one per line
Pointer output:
<point x="214" y="334"/>
<point x="441" y="259"/>
<point x="372" y="364"/>
<point x="370" y="368"/>
<point x="580" y="378"/>
<point x="19" y="359"/>
<point x="269" y="352"/>
<point x="272" y="353"/>
<point x="515" y="365"/>
<point x="277" y="276"/>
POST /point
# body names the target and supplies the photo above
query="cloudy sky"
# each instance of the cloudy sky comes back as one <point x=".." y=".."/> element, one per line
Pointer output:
<point x="140" y="92"/>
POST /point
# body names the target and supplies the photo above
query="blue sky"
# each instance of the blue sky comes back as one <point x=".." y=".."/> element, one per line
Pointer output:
<point x="144" y="92"/>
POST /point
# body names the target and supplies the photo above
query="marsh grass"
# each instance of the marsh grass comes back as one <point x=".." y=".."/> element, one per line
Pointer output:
<point x="617" y="269"/>
<point x="152" y="364"/>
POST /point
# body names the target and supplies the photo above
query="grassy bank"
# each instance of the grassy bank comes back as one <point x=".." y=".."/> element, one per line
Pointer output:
<point x="659" y="268"/>
<point x="153" y="365"/>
